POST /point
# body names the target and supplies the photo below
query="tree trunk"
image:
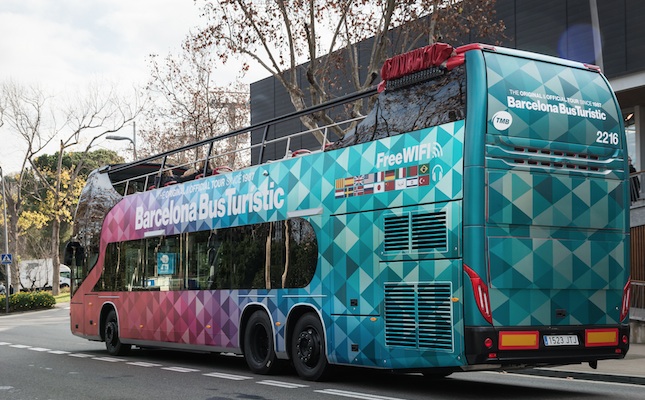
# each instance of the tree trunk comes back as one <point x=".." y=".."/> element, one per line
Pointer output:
<point x="267" y="255"/>
<point x="56" y="222"/>
<point x="286" y="257"/>
<point x="56" y="255"/>
<point x="15" y="266"/>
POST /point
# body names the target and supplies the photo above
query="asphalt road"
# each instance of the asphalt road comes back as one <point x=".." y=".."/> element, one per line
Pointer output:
<point x="41" y="359"/>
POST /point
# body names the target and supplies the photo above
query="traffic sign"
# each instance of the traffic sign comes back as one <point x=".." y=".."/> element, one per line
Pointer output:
<point x="6" y="259"/>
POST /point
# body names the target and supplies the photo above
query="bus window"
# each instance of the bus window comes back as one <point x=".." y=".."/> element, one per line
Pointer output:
<point x="232" y="258"/>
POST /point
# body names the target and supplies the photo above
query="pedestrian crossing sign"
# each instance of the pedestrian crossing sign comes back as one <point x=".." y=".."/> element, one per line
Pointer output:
<point x="6" y="259"/>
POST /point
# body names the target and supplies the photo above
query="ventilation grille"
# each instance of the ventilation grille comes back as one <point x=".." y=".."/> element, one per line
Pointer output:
<point x="416" y="232"/>
<point x="419" y="315"/>
<point x="566" y="160"/>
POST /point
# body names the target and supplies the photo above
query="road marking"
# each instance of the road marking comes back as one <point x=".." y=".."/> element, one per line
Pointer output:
<point x="228" y="376"/>
<point x="80" y="355"/>
<point x="286" y="385"/>
<point x="4" y="343"/>
<point x="144" y="364"/>
<point x="108" y="359"/>
<point x="355" y="395"/>
<point x="180" y="369"/>
<point x="20" y="346"/>
<point x="58" y="352"/>
<point x="38" y="349"/>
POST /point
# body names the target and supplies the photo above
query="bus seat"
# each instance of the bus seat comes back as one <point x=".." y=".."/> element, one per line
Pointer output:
<point x="222" y="169"/>
<point x="300" y="152"/>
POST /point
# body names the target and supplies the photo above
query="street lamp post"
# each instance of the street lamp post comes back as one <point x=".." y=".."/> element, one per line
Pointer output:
<point x="6" y="242"/>
<point x="132" y="140"/>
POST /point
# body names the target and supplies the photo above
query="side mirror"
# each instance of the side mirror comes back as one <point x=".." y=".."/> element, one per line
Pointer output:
<point x="74" y="254"/>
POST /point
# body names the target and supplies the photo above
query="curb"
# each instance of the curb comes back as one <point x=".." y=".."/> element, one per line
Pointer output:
<point x="583" y="376"/>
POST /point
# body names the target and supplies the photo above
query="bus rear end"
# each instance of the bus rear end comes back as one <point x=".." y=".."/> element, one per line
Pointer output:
<point x="549" y="150"/>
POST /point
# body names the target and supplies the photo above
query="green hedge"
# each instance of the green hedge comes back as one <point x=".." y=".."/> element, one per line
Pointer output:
<point x="24" y="301"/>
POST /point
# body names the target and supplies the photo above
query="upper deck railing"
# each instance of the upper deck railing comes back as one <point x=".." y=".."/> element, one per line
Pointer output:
<point x="207" y="157"/>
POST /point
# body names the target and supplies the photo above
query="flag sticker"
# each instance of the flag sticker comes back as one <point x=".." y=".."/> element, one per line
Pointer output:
<point x="383" y="181"/>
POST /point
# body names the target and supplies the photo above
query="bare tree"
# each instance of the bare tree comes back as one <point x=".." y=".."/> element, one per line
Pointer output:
<point x="33" y="117"/>
<point x="22" y="112"/>
<point x="280" y="35"/>
<point x="188" y="104"/>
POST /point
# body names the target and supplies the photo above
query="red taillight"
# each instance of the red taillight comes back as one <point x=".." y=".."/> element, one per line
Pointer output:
<point x="488" y="342"/>
<point x="481" y="294"/>
<point x="627" y="290"/>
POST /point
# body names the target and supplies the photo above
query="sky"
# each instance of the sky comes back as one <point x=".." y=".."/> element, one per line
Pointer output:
<point x="61" y="45"/>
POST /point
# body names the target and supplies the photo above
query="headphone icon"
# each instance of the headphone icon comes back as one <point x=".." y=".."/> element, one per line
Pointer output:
<point x="437" y="173"/>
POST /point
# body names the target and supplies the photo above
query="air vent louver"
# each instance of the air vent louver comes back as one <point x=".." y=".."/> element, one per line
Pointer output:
<point x="419" y="315"/>
<point x="415" y="232"/>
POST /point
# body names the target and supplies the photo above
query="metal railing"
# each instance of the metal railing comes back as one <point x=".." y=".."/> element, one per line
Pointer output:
<point x="638" y="295"/>
<point x="636" y="191"/>
<point x="151" y="170"/>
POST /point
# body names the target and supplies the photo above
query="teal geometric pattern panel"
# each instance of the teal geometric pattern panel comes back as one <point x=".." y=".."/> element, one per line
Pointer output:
<point x="569" y="201"/>
<point x="548" y="102"/>
<point x="557" y="212"/>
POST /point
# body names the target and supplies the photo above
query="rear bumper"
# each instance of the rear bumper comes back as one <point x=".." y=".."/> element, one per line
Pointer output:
<point x="526" y="345"/>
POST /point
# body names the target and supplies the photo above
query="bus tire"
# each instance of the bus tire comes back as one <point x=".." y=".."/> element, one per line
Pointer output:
<point x="308" y="349"/>
<point x="113" y="343"/>
<point x="259" y="350"/>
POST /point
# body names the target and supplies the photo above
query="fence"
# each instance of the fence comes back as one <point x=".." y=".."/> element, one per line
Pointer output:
<point x="637" y="195"/>
<point x="638" y="298"/>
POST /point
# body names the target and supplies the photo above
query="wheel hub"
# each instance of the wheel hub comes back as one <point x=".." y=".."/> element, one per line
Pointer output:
<point x="307" y="346"/>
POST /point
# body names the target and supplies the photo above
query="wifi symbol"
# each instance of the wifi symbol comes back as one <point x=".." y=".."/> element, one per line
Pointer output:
<point x="437" y="150"/>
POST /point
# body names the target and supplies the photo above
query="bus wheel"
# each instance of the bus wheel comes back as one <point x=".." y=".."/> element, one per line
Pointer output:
<point x="259" y="351"/>
<point x="308" y="348"/>
<point x="112" y="342"/>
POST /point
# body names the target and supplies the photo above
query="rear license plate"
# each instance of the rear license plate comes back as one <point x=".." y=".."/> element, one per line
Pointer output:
<point x="561" y="340"/>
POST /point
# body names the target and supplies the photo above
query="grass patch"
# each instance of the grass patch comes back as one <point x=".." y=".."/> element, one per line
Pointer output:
<point x="63" y="296"/>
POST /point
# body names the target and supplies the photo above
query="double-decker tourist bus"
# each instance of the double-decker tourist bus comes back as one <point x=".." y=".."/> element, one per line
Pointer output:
<point x="476" y="218"/>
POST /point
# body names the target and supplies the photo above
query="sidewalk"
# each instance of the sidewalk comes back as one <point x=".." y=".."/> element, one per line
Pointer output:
<point x="633" y="365"/>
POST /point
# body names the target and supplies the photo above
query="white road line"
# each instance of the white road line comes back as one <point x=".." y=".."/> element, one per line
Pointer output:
<point x="38" y="349"/>
<point x="20" y="346"/>
<point x="286" y="385"/>
<point x="355" y="395"/>
<point x="144" y="364"/>
<point x="108" y="359"/>
<point x="228" y="376"/>
<point x="4" y="343"/>
<point x="58" y="352"/>
<point x="80" y="355"/>
<point x="180" y="369"/>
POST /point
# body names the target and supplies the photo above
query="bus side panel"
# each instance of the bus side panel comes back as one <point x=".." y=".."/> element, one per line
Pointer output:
<point x="197" y="317"/>
<point x="76" y="317"/>
<point x="418" y="184"/>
